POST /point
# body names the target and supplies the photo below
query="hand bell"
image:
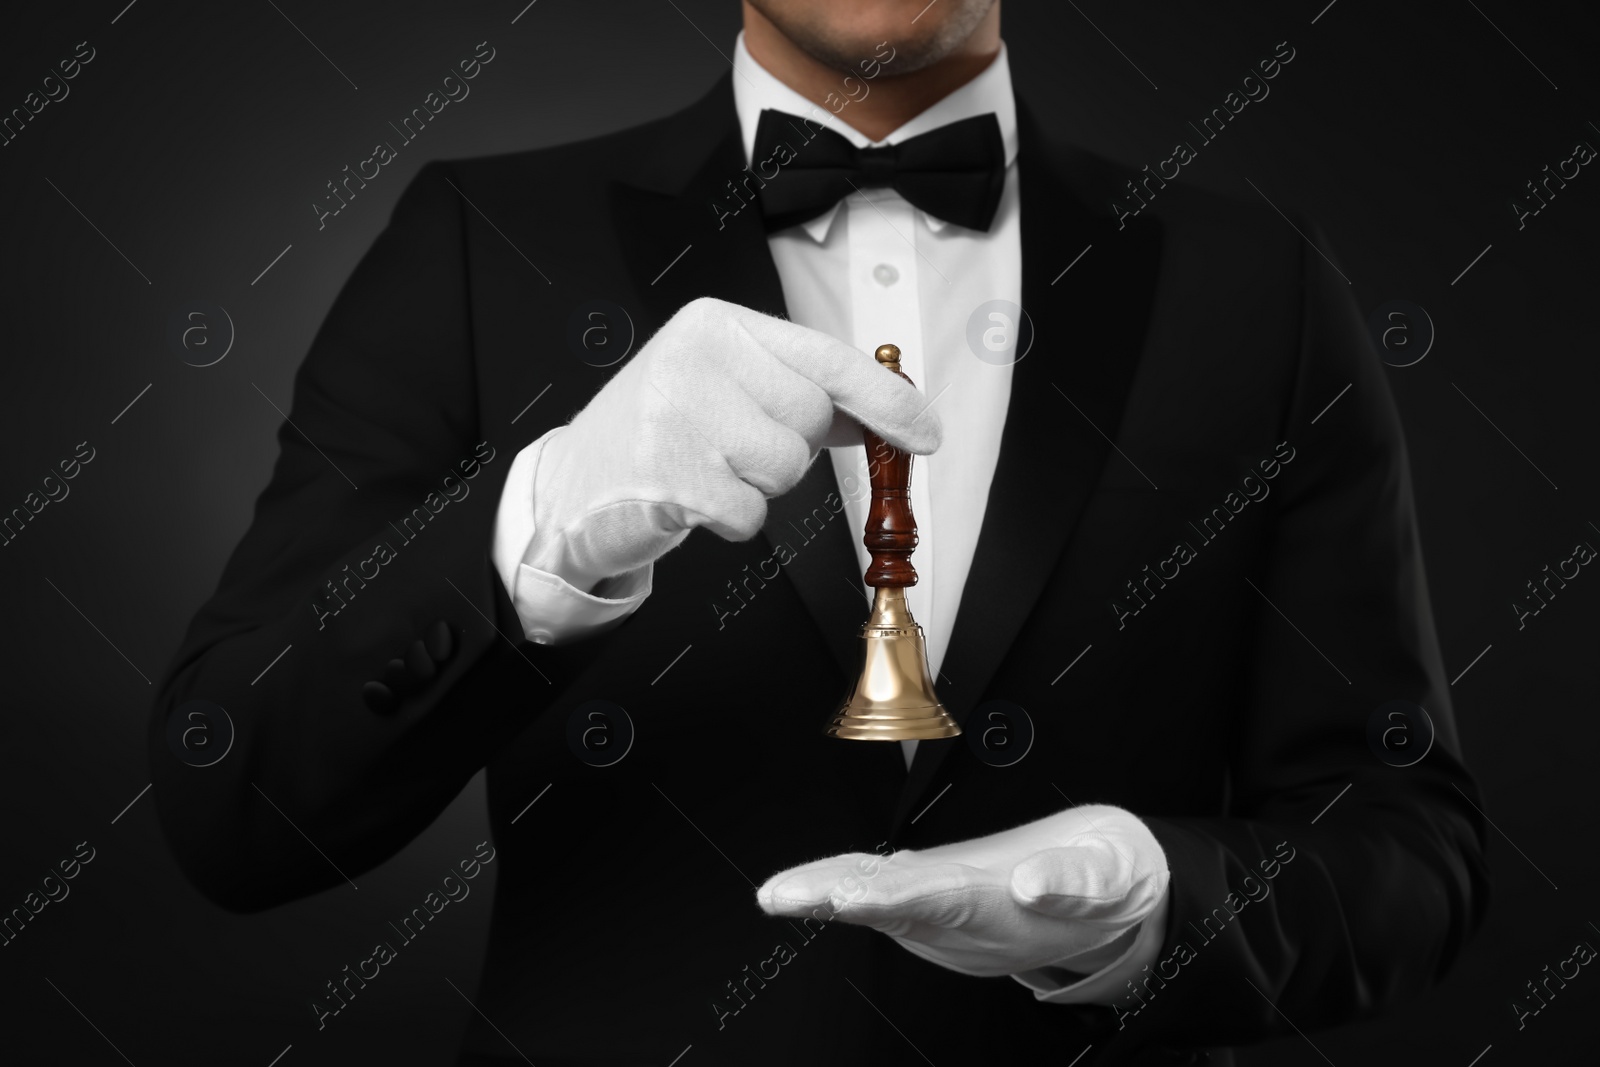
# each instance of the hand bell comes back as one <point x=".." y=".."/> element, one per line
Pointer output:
<point x="893" y="699"/>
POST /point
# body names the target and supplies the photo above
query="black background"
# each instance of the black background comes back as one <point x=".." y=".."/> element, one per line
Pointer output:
<point x="200" y="135"/>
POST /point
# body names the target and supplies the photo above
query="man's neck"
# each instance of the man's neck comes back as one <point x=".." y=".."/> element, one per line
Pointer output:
<point x="893" y="100"/>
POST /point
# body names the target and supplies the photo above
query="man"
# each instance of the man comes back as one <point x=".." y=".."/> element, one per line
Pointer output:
<point x="1167" y="539"/>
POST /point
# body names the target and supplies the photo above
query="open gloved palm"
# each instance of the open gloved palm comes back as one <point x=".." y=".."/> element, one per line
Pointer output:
<point x="1038" y="895"/>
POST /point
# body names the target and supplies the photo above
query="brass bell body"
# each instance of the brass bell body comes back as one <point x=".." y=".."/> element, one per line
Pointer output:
<point x="893" y="698"/>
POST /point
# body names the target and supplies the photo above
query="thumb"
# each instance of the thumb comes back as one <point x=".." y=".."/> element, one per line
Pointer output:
<point x="1092" y="881"/>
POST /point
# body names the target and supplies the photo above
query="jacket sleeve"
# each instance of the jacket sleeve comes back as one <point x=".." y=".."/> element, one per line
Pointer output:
<point x="1338" y="884"/>
<point x="360" y="644"/>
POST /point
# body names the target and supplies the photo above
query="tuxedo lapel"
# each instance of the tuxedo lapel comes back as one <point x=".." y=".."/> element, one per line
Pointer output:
<point x="674" y="244"/>
<point x="677" y="248"/>
<point x="1067" y="397"/>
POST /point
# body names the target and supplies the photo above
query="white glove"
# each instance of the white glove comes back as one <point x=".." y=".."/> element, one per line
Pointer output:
<point x="1032" y="897"/>
<point x="722" y="409"/>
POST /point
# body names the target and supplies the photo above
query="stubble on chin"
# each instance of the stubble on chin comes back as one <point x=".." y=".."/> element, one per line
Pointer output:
<point x="912" y="53"/>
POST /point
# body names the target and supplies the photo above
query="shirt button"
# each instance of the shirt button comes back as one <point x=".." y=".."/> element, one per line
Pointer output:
<point x="885" y="275"/>
<point x="540" y="637"/>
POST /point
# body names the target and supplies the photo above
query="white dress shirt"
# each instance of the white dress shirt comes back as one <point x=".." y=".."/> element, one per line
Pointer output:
<point x="872" y="270"/>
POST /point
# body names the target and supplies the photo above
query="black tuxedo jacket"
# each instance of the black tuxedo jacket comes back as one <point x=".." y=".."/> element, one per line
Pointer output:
<point x="1229" y="565"/>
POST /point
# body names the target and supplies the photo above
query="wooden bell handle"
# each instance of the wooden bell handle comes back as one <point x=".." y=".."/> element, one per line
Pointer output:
<point x="891" y="532"/>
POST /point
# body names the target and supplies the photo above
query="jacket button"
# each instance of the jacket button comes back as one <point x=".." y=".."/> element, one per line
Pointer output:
<point x="379" y="698"/>
<point x="441" y="641"/>
<point x="419" y="663"/>
<point x="398" y="678"/>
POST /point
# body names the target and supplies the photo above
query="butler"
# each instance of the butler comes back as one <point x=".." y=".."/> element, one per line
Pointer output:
<point x="1198" y="846"/>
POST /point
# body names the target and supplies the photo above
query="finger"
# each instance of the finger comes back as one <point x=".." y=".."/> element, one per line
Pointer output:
<point x="787" y="396"/>
<point x="707" y="353"/>
<point x="854" y="381"/>
<point x="945" y="895"/>
<point x="734" y="512"/>
<point x="844" y="430"/>
<point x="1091" y="881"/>
<point x="757" y="448"/>
<point x="799" y="890"/>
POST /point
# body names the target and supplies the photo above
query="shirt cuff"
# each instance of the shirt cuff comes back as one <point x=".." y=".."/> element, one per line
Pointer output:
<point x="1106" y="985"/>
<point x="551" y="609"/>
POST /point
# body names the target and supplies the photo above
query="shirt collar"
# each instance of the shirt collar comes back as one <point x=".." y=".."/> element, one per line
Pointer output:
<point x="755" y="89"/>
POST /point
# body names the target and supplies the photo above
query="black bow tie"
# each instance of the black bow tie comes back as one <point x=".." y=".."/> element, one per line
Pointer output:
<point x="955" y="173"/>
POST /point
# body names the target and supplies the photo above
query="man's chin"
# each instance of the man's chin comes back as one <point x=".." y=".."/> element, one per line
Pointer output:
<point x="841" y="33"/>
